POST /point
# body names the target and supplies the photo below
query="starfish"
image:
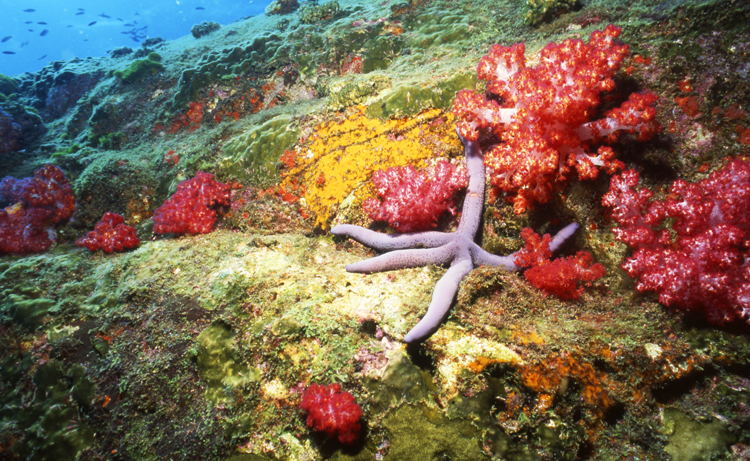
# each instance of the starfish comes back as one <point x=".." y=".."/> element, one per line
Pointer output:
<point x="454" y="248"/>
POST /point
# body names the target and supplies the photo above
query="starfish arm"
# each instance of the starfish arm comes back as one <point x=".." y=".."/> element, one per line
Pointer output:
<point x="388" y="242"/>
<point x="471" y="213"/>
<point x="442" y="298"/>
<point x="402" y="259"/>
<point x="482" y="257"/>
<point x="562" y="236"/>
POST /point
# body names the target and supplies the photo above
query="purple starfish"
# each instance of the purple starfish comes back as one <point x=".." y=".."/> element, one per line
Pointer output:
<point x="423" y="248"/>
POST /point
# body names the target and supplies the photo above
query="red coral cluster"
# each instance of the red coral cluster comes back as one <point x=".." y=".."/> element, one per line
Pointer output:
<point x="563" y="276"/>
<point x="189" y="210"/>
<point x="331" y="411"/>
<point x="39" y="203"/>
<point x="110" y="234"/>
<point x="539" y="120"/>
<point x="411" y="201"/>
<point x="701" y="262"/>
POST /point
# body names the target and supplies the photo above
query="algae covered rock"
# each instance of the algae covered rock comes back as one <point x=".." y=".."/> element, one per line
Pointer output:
<point x="140" y="68"/>
<point x="8" y="85"/>
<point x="282" y="7"/>
<point x="253" y="156"/>
<point x="313" y="12"/>
<point x="204" y="28"/>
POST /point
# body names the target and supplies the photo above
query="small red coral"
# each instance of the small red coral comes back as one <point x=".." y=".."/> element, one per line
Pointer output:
<point x="189" y="211"/>
<point x="331" y="411"/>
<point x="110" y="234"/>
<point x="413" y="202"/>
<point x="560" y="276"/>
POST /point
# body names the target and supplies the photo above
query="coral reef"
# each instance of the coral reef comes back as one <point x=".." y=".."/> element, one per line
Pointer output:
<point x="205" y="344"/>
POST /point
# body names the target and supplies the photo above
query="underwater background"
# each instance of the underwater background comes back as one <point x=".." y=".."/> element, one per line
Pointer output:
<point x="170" y="287"/>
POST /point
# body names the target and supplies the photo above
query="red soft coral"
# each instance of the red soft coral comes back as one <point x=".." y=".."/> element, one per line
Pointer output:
<point x="542" y="116"/>
<point x="110" y="234"/>
<point x="39" y="202"/>
<point x="562" y="276"/>
<point x="331" y="411"/>
<point x="413" y="202"/>
<point x="189" y="210"/>
<point x="703" y="264"/>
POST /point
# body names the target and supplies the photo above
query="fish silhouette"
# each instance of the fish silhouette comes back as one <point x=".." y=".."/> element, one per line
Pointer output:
<point x="9" y="52"/>
<point x="44" y="32"/>
<point x="42" y="23"/>
<point x="80" y="13"/>
<point x="92" y="23"/>
<point x="199" y="8"/>
<point x="5" y="39"/>
<point x="104" y="16"/>
<point x="42" y="57"/>
<point x="29" y="10"/>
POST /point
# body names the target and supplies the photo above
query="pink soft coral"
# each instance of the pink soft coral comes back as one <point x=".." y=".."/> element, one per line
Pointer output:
<point x="543" y="116"/>
<point x="189" y="210"/>
<point x="413" y="202"/>
<point x="701" y="262"/>
<point x="331" y="411"/>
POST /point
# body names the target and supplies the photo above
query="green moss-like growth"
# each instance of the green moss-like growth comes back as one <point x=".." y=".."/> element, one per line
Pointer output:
<point x="346" y="93"/>
<point x="140" y="68"/>
<point x="26" y="305"/>
<point x="253" y="156"/>
<point x="67" y="151"/>
<point x="45" y="410"/>
<point x="539" y="11"/>
<point x="407" y="100"/>
<point x="220" y="365"/>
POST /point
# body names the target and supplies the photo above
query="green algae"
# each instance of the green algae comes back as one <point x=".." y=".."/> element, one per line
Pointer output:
<point x="694" y="441"/>
<point x="46" y="409"/>
<point x="252" y="157"/>
<point x="140" y="68"/>
<point x="219" y="364"/>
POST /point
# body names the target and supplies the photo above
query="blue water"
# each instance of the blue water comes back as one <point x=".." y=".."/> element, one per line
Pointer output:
<point x="69" y="35"/>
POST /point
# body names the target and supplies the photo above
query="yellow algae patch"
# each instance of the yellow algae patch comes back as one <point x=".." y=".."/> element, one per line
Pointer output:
<point x="341" y="156"/>
<point x="465" y="352"/>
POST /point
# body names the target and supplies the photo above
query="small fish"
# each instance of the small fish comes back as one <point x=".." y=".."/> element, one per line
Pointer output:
<point x="29" y="10"/>
<point x="92" y="23"/>
<point x="69" y="25"/>
<point x="80" y="9"/>
<point x="120" y="20"/>
<point x="104" y="16"/>
<point x="135" y="39"/>
<point x="80" y="13"/>
<point x="24" y="44"/>
<point x="128" y="25"/>
<point x="28" y="22"/>
<point x="44" y="32"/>
<point x="42" y="57"/>
<point x="31" y="30"/>
<point x="9" y="52"/>
<point x="199" y="8"/>
<point x="5" y="39"/>
<point x="42" y="23"/>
